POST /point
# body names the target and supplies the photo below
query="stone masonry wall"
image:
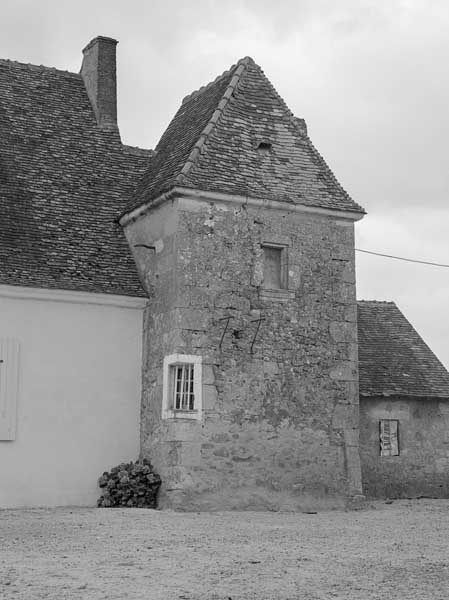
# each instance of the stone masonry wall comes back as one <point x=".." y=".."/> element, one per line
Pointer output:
<point x="422" y="467"/>
<point x="279" y="428"/>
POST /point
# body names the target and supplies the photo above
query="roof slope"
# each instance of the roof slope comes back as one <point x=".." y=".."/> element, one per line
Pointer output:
<point x="393" y="358"/>
<point x="62" y="183"/>
<point x="212" y="145"/>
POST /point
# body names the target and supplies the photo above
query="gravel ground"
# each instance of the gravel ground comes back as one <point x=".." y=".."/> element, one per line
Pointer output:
<point x="394" y="551"/>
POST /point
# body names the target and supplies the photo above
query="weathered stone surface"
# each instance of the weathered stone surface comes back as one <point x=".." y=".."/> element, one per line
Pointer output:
<point x="210" y="398"/>
<point x="345" y="417"/>
<point x="342" y="331"/>
<point x="280" y="397"/>
<point x="344" y="371"/>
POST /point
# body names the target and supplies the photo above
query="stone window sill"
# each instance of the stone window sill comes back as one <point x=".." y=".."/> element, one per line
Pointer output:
<point x="276" y="295"/>
<point x="182" y="414"/>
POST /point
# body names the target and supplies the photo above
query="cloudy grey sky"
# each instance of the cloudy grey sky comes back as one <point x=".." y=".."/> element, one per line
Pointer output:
<point x="369" y="77"/>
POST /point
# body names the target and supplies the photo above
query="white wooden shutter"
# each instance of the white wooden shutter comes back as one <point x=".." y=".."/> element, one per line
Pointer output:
<point x="9" y="379"/>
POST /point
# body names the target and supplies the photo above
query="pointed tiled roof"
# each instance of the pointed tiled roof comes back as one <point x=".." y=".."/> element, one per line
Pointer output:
<point x="393" y="358"/>
<point x="212" y="144"/>
<point x="63" y="181"/>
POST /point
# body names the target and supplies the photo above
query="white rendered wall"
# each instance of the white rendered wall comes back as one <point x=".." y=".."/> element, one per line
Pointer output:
<point x="78" y="399"/>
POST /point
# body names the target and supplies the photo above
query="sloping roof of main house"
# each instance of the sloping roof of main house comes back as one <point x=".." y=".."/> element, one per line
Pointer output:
<point x="212" y="145"/>
<point x="393" y="358"/>
<point x="63" y="182"/>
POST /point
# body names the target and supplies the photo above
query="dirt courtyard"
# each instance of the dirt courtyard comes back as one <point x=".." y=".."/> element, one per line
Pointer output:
<point x="394" y="551"/>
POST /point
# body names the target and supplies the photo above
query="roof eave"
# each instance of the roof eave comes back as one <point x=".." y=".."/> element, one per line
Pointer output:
<point x="209" y="196"/>
<point x="408" y="395"/>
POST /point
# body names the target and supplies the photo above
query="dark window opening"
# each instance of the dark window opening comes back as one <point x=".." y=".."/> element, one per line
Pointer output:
<point x="274" y="267"/>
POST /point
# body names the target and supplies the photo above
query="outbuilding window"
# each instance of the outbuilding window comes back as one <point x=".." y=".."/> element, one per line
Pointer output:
<point x="389" y="437"/>
<point x="181" y="395"/>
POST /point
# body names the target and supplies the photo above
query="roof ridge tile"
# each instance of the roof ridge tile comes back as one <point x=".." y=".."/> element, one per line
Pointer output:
<point x="201" y="142"/>
<point x="33" y="67"/>
<point x="203" y="88"/>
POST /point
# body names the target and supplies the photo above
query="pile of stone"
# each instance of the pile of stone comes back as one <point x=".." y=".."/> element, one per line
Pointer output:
<point x="130" y="484"/>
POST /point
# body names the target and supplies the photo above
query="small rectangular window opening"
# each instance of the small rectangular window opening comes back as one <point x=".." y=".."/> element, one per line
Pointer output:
<point x="389" y="437"/>
<point x="183" y="390"/>
<point x="274" y="267"/>
<point x="182" y="396"/>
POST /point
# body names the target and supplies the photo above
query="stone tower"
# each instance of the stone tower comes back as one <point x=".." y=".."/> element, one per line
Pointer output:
<point x="243" y="239"/>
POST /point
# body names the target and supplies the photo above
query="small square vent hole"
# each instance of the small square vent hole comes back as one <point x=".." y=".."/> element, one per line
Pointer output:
<point x="264" y="147"/>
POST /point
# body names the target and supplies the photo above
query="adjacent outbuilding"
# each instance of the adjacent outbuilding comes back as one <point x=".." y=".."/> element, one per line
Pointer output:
<point x="404" y="407"/>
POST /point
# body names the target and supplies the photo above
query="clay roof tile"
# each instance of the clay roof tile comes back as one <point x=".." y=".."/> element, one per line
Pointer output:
<point x="393" y="358"/>
<point x="63" y="181"/>
<point x="212" y="144"/>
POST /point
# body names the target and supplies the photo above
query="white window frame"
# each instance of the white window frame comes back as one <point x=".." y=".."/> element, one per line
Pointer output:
<point x="173" y="360"/>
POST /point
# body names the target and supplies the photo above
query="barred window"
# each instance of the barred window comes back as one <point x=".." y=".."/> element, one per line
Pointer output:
<point x="183" y="392"/>
<point x="182" y="387"/>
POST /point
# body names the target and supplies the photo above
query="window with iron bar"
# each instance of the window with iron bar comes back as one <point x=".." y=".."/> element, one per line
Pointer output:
<point x="183" y="391"/>
<point x="182" y="387"/>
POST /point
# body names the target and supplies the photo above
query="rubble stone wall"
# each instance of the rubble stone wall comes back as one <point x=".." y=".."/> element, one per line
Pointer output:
<point x="279" y="427"/>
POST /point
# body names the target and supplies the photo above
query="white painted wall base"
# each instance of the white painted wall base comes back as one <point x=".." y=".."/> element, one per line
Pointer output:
<point x="78" y="401"/>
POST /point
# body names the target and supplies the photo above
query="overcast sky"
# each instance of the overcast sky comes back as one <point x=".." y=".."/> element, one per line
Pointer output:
<point x="369" y="77"/>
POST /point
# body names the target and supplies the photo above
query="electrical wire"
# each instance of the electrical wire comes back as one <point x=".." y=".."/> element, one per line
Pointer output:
<point x="421" y="262"/>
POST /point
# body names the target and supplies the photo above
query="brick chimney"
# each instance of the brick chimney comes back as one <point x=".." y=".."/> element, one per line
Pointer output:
<point x="99" y="75"/>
